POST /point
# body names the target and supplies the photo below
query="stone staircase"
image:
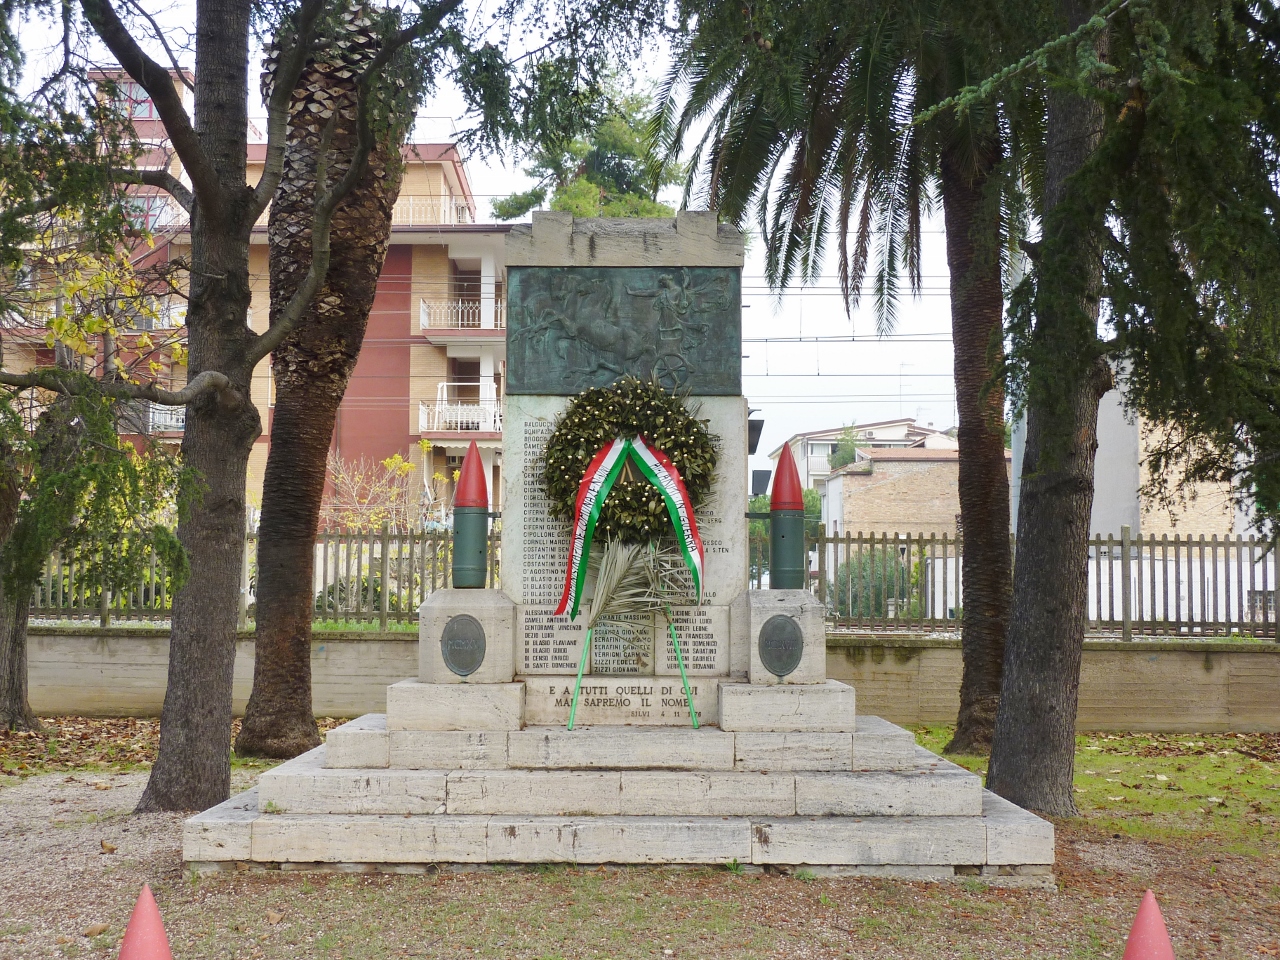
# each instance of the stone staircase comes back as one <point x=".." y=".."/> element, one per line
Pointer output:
<point x="387" y="792"/>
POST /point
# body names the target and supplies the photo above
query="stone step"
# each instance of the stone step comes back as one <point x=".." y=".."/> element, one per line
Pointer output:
<point x="367" y="743"/>
<point x="651" y="748"/>
<point x="932" y="788"/>
<point x="826" y="707"/>
<point x="1005" y="840"/>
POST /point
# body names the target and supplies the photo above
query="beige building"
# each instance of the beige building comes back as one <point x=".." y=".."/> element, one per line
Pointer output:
<point x="895" y="490"/>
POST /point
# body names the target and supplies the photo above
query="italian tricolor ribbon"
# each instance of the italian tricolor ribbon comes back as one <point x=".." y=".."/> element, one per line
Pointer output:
<point x="596" y="483"/>
<point x="662" y="473"/>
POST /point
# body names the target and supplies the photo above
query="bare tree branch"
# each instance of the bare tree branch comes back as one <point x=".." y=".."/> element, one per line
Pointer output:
<point x="159" y="35"/>
<point x="54" y="380"/>
<point x="156" y="80"/>
<point x="327" y="199"/>
<point x="292" y="60"/>
<point x="157" y="178"/>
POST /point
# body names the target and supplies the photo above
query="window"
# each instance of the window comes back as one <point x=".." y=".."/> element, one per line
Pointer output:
<point x="133" y="101"/>
<point x="150" y="210"/>
<point x="1262" y="606"/>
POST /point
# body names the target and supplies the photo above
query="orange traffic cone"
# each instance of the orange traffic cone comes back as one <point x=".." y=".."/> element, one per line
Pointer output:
<point x="144" y="938"/>
<point x="1148" y="940"/>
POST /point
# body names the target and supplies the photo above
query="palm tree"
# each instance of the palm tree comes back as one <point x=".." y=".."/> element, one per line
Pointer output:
<point x="313" y="364"/>
<point x="809" y="116"/>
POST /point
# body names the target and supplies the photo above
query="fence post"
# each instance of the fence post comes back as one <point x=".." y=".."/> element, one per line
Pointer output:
<point x="104" y="608"/>
<point x="822" y="564"/>
<point x="1126" y="585"/>
<point x="384" y="578"/>
<point x="243" y="619"/>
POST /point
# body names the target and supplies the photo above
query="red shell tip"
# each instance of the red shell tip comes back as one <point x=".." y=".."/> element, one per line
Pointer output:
<point x="144" y="938"/>
<point x="1149" y="938"/>
<point x="472" y="491"/>
<point x="787" y="492"/>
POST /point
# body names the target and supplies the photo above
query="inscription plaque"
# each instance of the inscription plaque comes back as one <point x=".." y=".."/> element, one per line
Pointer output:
<point x="623" y="645"/>
<point x="781" y="645"/>
<point x="462" y="644"/>
<point x="659" y="701"/>
<point x="572" y="328"/>
<point x="704" y="642"/>
<point x="548" y="644"/>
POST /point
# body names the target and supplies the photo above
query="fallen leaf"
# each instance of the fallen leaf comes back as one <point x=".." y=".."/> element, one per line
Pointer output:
<point x="273" y="918"/>
<point x="108" y="847"/>
<point x="96" y="928"/>
<point x="102" y="786"/>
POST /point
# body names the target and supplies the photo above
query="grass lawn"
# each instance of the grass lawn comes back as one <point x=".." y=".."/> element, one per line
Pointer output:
<point x="1194" y="817"/>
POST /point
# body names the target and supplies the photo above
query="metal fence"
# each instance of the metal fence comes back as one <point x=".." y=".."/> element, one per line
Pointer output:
<point x="884" y="582"/>
<point x="378" y="576"/>
<point x="1168" y="586"/>
<point x="385" y="575"/>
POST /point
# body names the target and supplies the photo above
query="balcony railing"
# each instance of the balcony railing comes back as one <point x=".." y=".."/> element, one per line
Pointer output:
<point x="427" y="211"/>
<point x="459" y="314"/>
<point x="453" y="410"/>
<point x="162" y="419"/>
<point x="416" y="212"/>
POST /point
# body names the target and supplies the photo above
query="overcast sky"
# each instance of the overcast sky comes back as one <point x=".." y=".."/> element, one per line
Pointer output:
<point x="803" y="368"/>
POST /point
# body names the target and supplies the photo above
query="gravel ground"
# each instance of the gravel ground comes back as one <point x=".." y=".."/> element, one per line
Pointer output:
<point x="72" y="859"/>
<point x="72" y="856"/>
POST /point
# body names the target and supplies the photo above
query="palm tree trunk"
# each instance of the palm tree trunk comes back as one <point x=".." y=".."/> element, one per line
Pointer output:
<point x="1033" y="750"/>
<point x="977" y="321"/>
<point x="311" y="370"/>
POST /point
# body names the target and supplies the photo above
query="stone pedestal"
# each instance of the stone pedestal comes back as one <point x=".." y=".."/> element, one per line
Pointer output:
<point x="466" y="636"/>
<point x="785" y="632"/>
<point x="812" y="707"/>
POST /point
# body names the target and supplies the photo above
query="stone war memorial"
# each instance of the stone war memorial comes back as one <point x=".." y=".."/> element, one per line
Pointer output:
<point x="624" y="698"/>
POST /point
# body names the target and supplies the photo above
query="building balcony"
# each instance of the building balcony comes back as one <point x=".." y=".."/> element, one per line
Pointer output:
<point x="457" y="314"/>
<point x="453" y="411"/>
<point x="416" y="212"/>
<point x="429" y="211"/>
<point x="163" y="419"/>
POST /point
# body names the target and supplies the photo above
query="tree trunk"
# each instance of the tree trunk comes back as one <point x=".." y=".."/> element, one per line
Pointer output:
<point x="1033" y="751"/>
<point x="972" y="217"/>
<point x="15" y="709"/>
<point x="311" y="370"/>
<point x="193" y="767"/>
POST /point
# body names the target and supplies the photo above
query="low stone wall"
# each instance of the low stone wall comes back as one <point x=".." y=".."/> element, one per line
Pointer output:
<point x="121" y="671"/>
<point x="1171" y="687"/>
<point x="1196" y="687"/>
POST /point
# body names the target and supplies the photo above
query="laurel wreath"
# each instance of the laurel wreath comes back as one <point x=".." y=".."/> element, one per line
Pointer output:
<point x="634" y="511"/>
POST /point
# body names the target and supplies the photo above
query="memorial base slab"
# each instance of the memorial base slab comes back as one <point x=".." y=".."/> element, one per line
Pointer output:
<point x="862" y="801"/>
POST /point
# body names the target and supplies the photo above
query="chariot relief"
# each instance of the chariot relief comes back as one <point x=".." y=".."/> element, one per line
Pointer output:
<point x="579" y="327"/>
